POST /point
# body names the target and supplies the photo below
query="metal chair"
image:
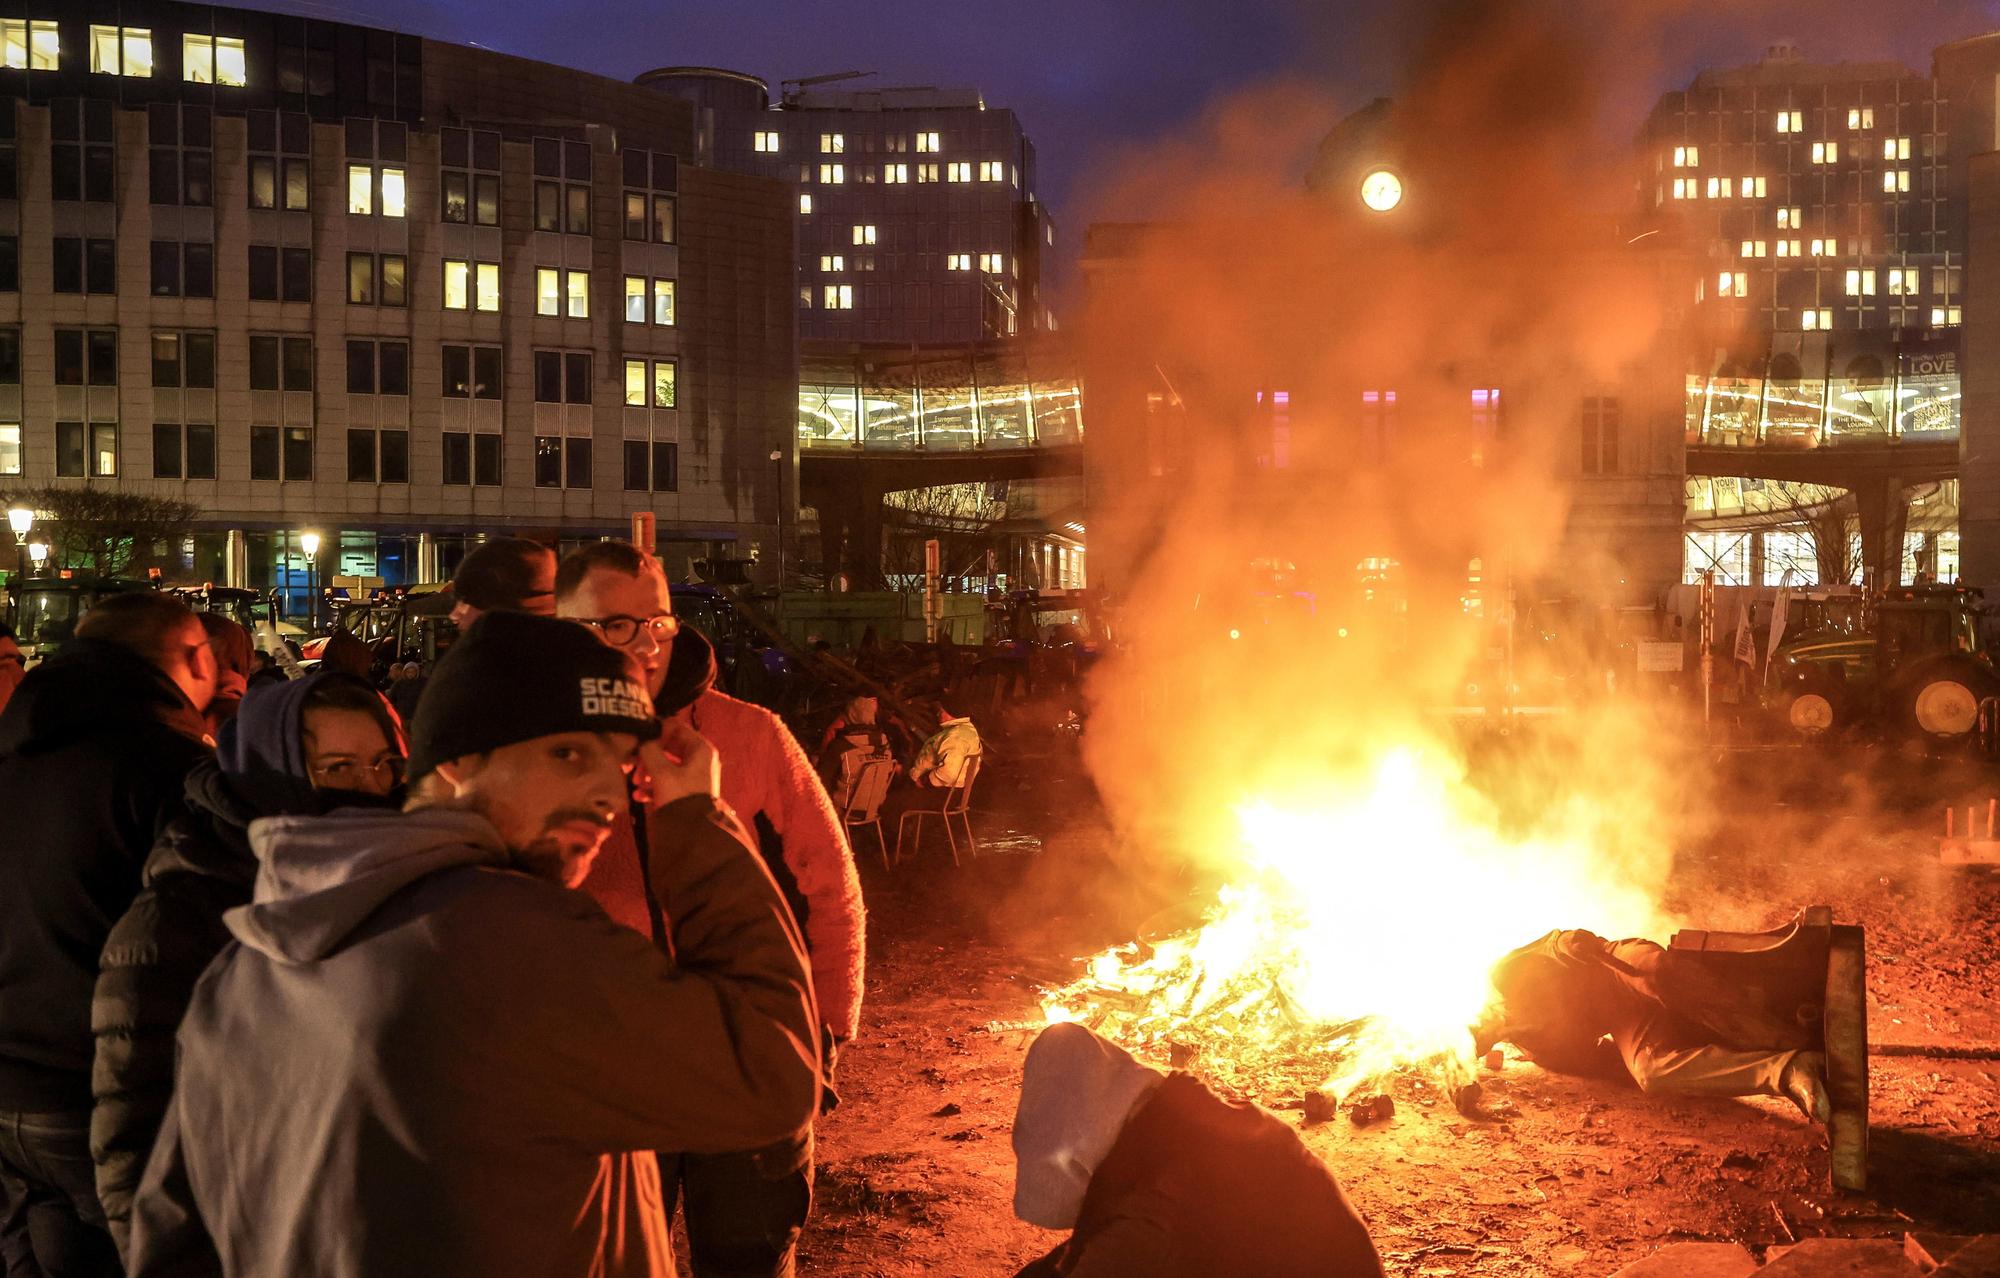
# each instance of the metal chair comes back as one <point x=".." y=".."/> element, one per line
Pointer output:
<point x="957" y="801"/>
<point x="864" y="801"/>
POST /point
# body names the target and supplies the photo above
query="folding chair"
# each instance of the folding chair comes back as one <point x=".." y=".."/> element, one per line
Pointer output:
<point x="864" y="801"/>
<point x="957" y="800"/>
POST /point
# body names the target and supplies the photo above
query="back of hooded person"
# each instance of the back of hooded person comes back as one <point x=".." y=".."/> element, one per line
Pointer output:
<point x="202" y="866"/>
<point x="1159" y="1177"/>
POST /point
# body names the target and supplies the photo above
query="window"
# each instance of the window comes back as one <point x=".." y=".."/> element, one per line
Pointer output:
<point x="927" y="173"/>
<point x="1791" y="122"/>
<point x="360" y="189"/>
<point x="213" y="60"/>
<point x="365" y="448"/>
<point x="832" y="262"/>
<point x="1719" y="188"/>
<point x="562" y="292"/>
<point x="457" y="457"/>
<point x="30" y="45"/>
<point x="1896" y="181"/>
<point x="184" y="360"/>
<point x="281" y="363"/>
<point x="471" y="285"/>
<point x="85" y="266"/>
<point x="805" y="203"/>
<point x="1825" y="248"/>
<point x="635" y="383"/>
<point x="1685" y="189"/>
<point x="10" y="448"/>
<point x="765" y="141"/>
<point x="666" y="378"/>
<point x="183" y="270"/>
<point x="180" y="156"/>
<point x="86" y="358"/>
<point x="378" y="368"/>
<point x="1817" y="320"/>
<point x="375" y="175"/>
<point x="280" y="167"/>
<point x="1751" y="188"/>
<point x="263" y="452"/>
<point x="832" y="174"/>
<point x="86" y="449"/>
<point x="10" y="263"/>
<point x="1861" y="283"/>
<point x="832" y="143"/>
<point x="993" y="263"/>
<point x="280" y="274"/>
<point x="1861" y="117"/>
<point x="958" y="261"/>
<point x="1788" y="219"/>
<point x="562" y="186"/>
<point x="663" y="302"/>
<point x="121" y="51"/>
<point x="651" y="178"/>
<point x="1732" y="284"/>
<point x="651" y="467"/>
<point x="1905" y="281"/>
<point x="837" y="297"/>
<point x="1789" y="248"/>
<point x="895" y="174"/>
<point x="1895" y="148"/>
<point x="635" y="299"/>
<point x="1687" y="157"/>
<point x="1941" y="317"/>
<point x="298" y="453"/>
<point x="992" y="171"/>
<point x="469" y="176"/>
<point x="471" y="372"/>
<point x="656" y="390"/>
<point x="1600" y="422"/>
<point x="562" y="463"/>
<point x="81" y="137"/>
<point x="361" y="279"/>
<point x="1826" y="153"/>
<point x="864" y="233"/>
<point x="960" y="171"/>
<point x="486" y="460"/>
<point x="927" y="144"/>
<point x="562" y="377"/>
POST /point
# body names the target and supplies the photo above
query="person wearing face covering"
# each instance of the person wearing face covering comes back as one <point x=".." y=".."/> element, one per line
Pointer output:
<point x="296" y="748"/>
<point x="1158" y="1177"/>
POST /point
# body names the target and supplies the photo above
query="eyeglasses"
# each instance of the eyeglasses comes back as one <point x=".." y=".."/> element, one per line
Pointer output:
<point x="347" y="774"/>
<point x="622" y="631"/>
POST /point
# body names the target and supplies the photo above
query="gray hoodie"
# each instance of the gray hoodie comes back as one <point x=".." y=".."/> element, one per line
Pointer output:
<point x="414" y="1060"/>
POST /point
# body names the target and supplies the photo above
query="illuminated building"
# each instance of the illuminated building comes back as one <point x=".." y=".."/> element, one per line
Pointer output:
<point x="305" y="274"/>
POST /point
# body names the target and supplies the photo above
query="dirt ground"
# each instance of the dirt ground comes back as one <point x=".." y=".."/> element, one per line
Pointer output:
<point x="916" y="1174"/>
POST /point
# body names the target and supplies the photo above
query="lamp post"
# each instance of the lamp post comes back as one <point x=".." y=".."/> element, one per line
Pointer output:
<point x="778" y="460"/>
<point x="309" y="543"/>
<point x="21" y="519"/>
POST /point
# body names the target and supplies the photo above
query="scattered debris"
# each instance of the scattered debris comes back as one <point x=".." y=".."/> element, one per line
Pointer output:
<point x="947" y="1110"/>
<point x="1321" y="1104"/>
<point x="1363" y="1110"/>
<point x="964" y="1134"/>
<point x="1495" y="1059"/>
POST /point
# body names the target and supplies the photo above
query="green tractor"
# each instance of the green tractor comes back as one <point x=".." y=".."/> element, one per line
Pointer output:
<point x="1912" y="665"/>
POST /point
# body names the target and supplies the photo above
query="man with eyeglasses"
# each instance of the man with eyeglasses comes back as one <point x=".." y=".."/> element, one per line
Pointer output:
<point x="95" y="747"/>
<point x="744" y="1210"/>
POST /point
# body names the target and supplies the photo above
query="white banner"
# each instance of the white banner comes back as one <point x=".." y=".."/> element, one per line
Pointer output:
<point x="1779" y="608"/>
<point x="1746" y="638"/>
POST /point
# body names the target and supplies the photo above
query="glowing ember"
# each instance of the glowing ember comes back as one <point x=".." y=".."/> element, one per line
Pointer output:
<point x="1357" y="936"/>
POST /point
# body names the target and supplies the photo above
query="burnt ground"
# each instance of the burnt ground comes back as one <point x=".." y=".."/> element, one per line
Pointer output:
<point x="916" y="1173"/>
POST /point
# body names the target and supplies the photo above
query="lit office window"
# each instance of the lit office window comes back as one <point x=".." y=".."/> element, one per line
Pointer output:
<point x="1861" y="283"/>
<point x="1826" y="153"/>
<point x="1752" y="188"/>
<point x="548" y="291"/>
<point x="635" y="383"/>
<point x="1791" y="122"/>
<point x="837" y="297"/>
<point x="1687" y="157"/>
<point x="1719" y="188"/>
<point x="833" y="143"/>
<point x="832" y="174"/>
<point x="1732" y="284"/>
<point x="961" y="171"/>
<point x="393" y="192"/>
<point x="121" y="51"/>
<point x="1816" y="320"/>
<point x="993" y="263"/>
<point x="488" y="276"/>
<point x="1861" y="117"/>
<point x="864" y="234"/>
<point x="212" y="60"/>
<point x="30" y="45"/>
<point x="475" y="282"/>
<point x="766" y="141"/>
<point x="1895" y="148"/>
<point x="1685" y="189"/>
<point x="1789" y="248"/>
<point x="1905" y="281"/>
<point x="1945" y="316"/>
<point x="635" y="299"/>
<point x="457" y="285"/>
<point x="805" y="203"/>
<point x="832" y="262"/>
<point x="1896" y="181"/>
<point x="927" y="173"/>
<point x="576" y="293"/>
<point x="360" y="188"/>
<point x="663" y="302"/>
<point x="1759" y="248"/>
<point x="665" y="376"/>
<point x="958" y="261"/>
<point x="895" y="174"/>
<point x="992" y="171"/>
<point x="927" y="144"/>
<point x="1789" y="219"/>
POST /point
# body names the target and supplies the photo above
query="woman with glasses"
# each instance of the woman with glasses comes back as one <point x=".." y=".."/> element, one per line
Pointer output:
<point x="295" y="748"/>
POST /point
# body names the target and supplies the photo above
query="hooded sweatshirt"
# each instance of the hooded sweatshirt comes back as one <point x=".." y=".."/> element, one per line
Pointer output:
<point x="1162" y="1178"/>
<point x="416" y="1060"/>
<point x="94" y="749"/>
<point x="200" y="867"/>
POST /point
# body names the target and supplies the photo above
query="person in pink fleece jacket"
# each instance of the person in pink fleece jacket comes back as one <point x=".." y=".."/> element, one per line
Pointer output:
<point x="744" y="1210"/>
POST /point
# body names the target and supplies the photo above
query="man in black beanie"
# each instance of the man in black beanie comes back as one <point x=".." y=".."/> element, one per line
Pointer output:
<point x="425" y="1054"/>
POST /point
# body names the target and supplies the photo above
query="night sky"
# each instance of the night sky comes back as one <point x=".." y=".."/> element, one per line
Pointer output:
<point x="1095" y="79"/>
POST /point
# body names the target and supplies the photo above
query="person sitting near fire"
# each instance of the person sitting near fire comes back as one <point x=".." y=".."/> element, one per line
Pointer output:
<point x="1158" y="1176"/>
<point x="1576" y="1003"/>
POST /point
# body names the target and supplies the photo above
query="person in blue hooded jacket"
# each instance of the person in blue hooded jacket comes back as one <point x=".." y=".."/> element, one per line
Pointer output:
<point x="296" y="748"/>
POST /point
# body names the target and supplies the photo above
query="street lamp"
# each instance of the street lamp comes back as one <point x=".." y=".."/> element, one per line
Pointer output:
<point x="309" y="543"/>
<point x="778" y="456"/>
<point x="1382" y="190"/>
<point x="21" y="519"/>
<point x="38" y="554"/>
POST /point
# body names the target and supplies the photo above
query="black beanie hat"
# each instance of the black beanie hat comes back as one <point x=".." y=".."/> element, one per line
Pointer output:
<point x="513" y="677"/>
<point x="690" y="672"/>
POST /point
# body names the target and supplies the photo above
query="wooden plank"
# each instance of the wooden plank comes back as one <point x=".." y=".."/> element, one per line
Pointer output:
<point x="1846" y="1029"/>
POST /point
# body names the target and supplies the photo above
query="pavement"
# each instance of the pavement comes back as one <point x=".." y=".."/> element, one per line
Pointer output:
<point x="1942" y="1255"/>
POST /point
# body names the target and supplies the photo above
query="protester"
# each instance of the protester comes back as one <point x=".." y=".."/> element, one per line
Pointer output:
<point x="407" y="690"/>
<point x="1563" y="995"/>
<point x="504" y="574"/>
<point x="94" y="749"/>
<point x="235" y="657"/>
<point x="744" y="1210"/>
<point x="854" y="738"/>
<point x="297" y="748"/>
<point x="425" y="1056"/>
<point x="1159" y="1177"/>
<point x="942" y="759"/>
<point x="13" y="666"/>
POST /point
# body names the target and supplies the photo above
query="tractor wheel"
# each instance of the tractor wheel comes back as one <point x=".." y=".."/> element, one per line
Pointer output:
<point x="1939" y="700"/>
<point x="1815" y="709"/>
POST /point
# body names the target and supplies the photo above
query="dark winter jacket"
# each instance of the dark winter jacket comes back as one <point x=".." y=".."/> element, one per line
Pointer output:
<point x="1197" y="1186"/>
<point x="415" y="1060"/>
<point x="94" y="750"/>
<point x="200" y="866"/>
